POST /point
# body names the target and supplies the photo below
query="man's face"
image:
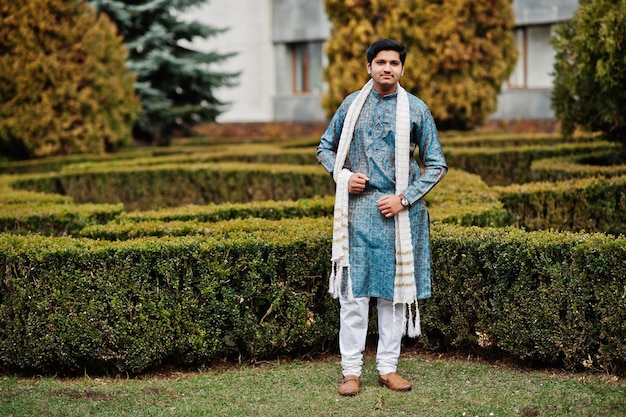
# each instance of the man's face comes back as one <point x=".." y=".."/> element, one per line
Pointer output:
<point x="386" y="70"/>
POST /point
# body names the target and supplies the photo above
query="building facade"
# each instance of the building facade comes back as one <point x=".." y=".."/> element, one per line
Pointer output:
<point x="280" y="57"/>
<point x="526" y="94"/>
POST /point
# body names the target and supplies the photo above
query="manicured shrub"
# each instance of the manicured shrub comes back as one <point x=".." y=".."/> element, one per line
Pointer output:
<point x="590" y="72"/>
<point x="547" y="297"/>
<point x="55" y="219"/>
<point x="504" y="165"/>
<point x="248" y="280"/>
<point x="591" y="204"/>
<point x="63" y="81"/>
<point x="167" y="185"/>
<point x="77" y="305"/>
<point x="459" y="52"/>
<point x="577" y="166"/>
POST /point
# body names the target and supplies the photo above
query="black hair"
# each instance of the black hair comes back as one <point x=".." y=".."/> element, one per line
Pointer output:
<point x="385" y="45"/>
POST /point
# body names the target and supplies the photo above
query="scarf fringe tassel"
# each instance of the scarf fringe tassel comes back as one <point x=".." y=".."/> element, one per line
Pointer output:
<point x="336" y="279"/>
<point x="413" y="328"/>
<point x="411" y="325"/>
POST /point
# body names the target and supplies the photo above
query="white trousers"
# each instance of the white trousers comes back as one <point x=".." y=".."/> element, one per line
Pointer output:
<point x="353" y="334"/>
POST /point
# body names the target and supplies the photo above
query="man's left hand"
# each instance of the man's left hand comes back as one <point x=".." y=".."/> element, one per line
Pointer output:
<point x="390" y="205"/>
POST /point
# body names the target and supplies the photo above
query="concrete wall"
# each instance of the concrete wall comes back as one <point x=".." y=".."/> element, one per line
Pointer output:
<point x="531" y="12"/>
<point x="524" y="104"/>
<point x="299" y="20"/>
<point x="296" y="21"/>
<point x="249" y="34"/>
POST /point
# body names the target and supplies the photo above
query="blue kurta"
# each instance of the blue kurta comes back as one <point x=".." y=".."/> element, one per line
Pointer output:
<point x="372" y="152"/>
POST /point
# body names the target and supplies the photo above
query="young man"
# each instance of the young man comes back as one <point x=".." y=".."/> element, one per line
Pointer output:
<point x="381" y="237"/>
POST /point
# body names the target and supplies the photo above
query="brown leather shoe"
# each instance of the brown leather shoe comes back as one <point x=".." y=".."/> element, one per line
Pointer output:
<point x="350" y="385"/>
<point x="395" y="382"/>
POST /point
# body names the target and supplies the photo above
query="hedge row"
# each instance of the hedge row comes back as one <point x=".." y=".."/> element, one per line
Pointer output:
<point x="556" y="297"/>
<point x="55" y="219"/>
<point x="258" y="289"/>
<point x="251" y="154"/>
<point x="74" y="304"/>
<point x="194" y="149"/>
<point x="154" y="228"/>
<point x="512" y="164"/>
<point x="498" y="139"/>
<point x="569" y="167"/>
<point x="145" y="187"/>
<point x="591" y="204"/>
<point x="24" y="212"/>
<point x="56" y="163"/>
<point x="462" y="199"/>
<point x="77" y="305"/>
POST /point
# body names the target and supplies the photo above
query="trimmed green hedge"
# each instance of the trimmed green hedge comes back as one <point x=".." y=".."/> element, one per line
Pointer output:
<point x="271" y="210"/>
<point x="144" y="188"/>
<point x="78" y="305"/>
<point x="556" y="297"/>
<point x="570" y="167"/>
<point x="155" y="228"/>
<point x="512" y="164"/>
<point x="498" y="139"/>
<point x="239" y="268"/>
<point x="182" y="156"/>
<point x="462" y="199"/>
<point x="591" y="204"/>
<point x="55" y="219"/>
<point x="25" y="212"/>
<point x="57" y="163"/>
<point x="258" y="289"/>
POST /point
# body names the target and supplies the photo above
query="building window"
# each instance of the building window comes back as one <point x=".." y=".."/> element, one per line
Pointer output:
<point x="306" y="66"/>
<point x="535" y="62"/>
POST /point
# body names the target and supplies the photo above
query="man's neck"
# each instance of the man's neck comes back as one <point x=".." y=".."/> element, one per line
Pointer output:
<point x="385" y="91"/>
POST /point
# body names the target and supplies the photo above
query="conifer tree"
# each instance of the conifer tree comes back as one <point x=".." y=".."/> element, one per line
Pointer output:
<point x="175" y="82"/>
<point x="460" y="52"/>
<point x="64" y="86"/>
<point x="354" y="28"/>
<point x="590" y="70"/>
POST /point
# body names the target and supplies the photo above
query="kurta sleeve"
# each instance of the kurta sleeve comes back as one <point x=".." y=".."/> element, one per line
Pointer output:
<point x="434" y="168"/>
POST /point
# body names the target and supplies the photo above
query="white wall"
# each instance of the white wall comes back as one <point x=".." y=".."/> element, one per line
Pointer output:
<point x="250" y="35"/>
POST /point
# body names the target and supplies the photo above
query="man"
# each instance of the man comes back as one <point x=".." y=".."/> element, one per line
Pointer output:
<point x="381" y="237"/>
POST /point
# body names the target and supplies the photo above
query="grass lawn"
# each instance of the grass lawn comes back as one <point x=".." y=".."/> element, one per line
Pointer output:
<point x="442" y="387"/>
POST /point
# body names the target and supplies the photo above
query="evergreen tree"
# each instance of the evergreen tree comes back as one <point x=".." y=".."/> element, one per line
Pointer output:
<point x="590" y="70"/>
<point x="460" y="52"/>
<point x="175" y="83"/>
<point x="64" y="86"/>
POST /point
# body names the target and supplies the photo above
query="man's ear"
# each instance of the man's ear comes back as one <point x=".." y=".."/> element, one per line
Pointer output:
<point x="369" y="68"/>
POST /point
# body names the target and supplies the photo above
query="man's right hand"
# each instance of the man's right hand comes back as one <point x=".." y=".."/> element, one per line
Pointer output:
<point x="357" y="183"/>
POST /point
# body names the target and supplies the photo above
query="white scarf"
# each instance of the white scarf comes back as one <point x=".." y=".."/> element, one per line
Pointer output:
<point x="404" y="284"/>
